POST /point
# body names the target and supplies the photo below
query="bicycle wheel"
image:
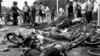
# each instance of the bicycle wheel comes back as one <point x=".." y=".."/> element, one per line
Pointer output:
<point x="7" y="19"/>
<point x="95" y="51"/>
<point x="80" y="40"/>
<point x="11" y="37"/>
<point x="93" y="40"/>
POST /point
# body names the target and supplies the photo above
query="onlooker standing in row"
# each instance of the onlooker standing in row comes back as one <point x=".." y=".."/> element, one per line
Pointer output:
<point x="61" y="11"/>
<point x="84" y="8"/>
<point x="79" y="9"/>
<point x="70" y="10"/>
<point x="33" y="13"/>
<point x="15" y="13"/>
<point x="26" y="11"/>
<point x="89" y="10"/>
<point x="52" y="13"/>
<point x="75" y="8"/>
<point x="95" y="9"/>
<point x="41" y="12"/>
<point x="66" y="10"/>
<point x="47" y="10"/>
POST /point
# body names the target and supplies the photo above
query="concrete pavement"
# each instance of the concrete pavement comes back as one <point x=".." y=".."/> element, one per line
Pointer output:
<point x="80" y="51"/>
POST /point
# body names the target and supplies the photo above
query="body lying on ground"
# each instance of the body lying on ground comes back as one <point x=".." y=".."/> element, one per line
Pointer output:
<point x="68" y="23"/>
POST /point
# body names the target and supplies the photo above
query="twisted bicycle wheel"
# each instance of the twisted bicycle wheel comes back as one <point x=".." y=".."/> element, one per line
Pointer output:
<point x="95" y="51"/>
<point x="11" y="37"/>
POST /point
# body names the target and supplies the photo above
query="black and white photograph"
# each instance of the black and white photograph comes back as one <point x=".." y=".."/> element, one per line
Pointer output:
<point x="49" y="27"/>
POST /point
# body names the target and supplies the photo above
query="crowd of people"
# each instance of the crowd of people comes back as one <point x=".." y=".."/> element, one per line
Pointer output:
<point x="82" y="8"/>
<point x="30" y="13"/>
<point x="74" y="9"/>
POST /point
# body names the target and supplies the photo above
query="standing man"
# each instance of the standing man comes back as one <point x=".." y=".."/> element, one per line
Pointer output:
<point x="95" y="10"/>
<point x="26" y="11"/>
<point x="79" y="9"/>
<point x="52" y="13"/>
<point x="61" y="11"/>
<point x="41" y="12"/>
<point x="70" y="10"/>
<point x="47" y="13"/>
<point x="66" y="10"/>
<point x="15" y="13"/>
<point x="89" y="11"/>
<point x="33" y="14"/>
<point x="84" y="8"/>
<point x="75" y="8"/>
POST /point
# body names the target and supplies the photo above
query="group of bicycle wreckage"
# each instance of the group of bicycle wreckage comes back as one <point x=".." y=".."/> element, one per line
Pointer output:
<point x="59" y="40"/>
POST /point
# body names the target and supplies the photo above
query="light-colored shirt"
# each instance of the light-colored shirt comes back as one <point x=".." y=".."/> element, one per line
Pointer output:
<point x="95" y="7"/>
<point x="43" y="9"/>
<point x="40" y="38"/>
<point x="83" y="7"/>
<point x="25" y="8"/>
<point x="47" y="9"/>
<point x="90" y="6"/>
<point x="61" y="10"/>
<point x="74" y="7"/>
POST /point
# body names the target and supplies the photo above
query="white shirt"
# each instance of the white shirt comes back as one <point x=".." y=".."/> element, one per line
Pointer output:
<point x="71" y="0"/>
<point x="25" y="8"/>
<point x="47" y="8"/>
<point x="24" y="31"/>
<point x="40" y="38"/>
<point x="61" y="10"/>
<point x="43" y="9"/>
<point x="83" y="7"/>
<point x="95" y="7"/>
<point x="76" y="19"/>
<point x="74" y="4"/>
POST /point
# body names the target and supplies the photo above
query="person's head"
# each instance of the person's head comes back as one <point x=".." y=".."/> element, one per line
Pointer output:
<point x="75" y="0"/>
<point x="15" y="3"/>
<point x="93" y="1"/>
<point x="25" y="2"/>
<point x="90" y="0"/>
<point x="70" y="3"/>
<point x="40" y="3"/>
<point x="33" y="34"/>
<point x="79" y="1"/>
<point x="33" y="52"/>
<point x="52" y="52"/>
<point x="85" y="0"/>
<point x="82" y="1"/>
<point x="46" y="4"/>
<point x="35" y="3"/>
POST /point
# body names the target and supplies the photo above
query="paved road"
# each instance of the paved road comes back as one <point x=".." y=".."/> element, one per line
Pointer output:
<point x="15" y="52"/>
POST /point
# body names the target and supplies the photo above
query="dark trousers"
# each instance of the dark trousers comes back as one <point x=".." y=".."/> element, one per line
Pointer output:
<point x="70" y="15"/>
<point x="15" y="20"/>
<point x="89" y="16"/>
<point x="26" y="17"/>
<point x="94" y="16"/>
<point x="33" y="18"/>
<point x="52" y="17"/>
<point x="79" y="14"/>
<point x="84" y="15"/>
